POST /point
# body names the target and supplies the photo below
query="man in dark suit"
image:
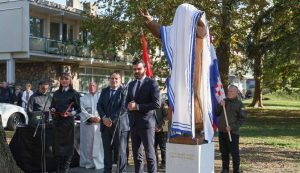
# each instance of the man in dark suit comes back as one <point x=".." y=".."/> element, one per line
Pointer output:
<point x="143" y="98"/>
<point x="109" y="107"/>
<point x="5" y="93"/>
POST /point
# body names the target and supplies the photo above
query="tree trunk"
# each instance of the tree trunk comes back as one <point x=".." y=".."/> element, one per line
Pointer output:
<point x="257" y="98"/>
<point x="223" y="50"/>
<point x="7" y="162"/>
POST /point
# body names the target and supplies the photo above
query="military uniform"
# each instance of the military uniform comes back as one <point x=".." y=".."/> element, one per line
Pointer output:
<point x="63" y="127"/>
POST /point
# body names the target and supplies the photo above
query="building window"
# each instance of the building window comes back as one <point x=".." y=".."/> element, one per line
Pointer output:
<point x="65" y="32"/>
<point x="90" y="74"/>
<point x="98" y="75"/>
<point x="54" y="31"/>
<point x="36" y="27"/>
<point x="71" y="33"/>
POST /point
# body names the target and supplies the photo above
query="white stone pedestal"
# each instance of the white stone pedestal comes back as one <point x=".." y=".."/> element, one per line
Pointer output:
<point x="181" y="158"/>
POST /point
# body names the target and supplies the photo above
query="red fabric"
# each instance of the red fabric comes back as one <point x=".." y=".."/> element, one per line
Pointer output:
<point x="210" y="39"/>
<point x="215" y="126"/>
<point x="146" y="58"/>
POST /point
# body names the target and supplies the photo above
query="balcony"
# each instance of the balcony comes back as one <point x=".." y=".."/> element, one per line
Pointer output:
<point x="49" y="46"/>
<point x="69" y="49"/>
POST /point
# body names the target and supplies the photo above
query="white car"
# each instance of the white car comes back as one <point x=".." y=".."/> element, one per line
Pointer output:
<point x="12" y="116"/>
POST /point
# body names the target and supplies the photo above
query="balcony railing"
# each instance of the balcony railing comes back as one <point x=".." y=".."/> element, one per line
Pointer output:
<point x="60" y="48"/>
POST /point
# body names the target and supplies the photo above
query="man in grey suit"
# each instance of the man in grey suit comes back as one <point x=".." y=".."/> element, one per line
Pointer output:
<point x="109" y="108"/>
<point x="143" y="98"/>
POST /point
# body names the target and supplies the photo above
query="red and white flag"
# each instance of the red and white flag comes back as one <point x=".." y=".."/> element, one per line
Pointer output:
<point x="146" y="58"/>
<point x="217" y="89"/>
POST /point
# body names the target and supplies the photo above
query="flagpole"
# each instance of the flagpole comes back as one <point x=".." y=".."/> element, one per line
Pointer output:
<point x="227" y="125"/>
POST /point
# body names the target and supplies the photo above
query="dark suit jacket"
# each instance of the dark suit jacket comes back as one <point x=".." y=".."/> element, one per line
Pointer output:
<point x="110" y="107"/>
<point x="17" y="98"/>
<point x="148" y="99"/>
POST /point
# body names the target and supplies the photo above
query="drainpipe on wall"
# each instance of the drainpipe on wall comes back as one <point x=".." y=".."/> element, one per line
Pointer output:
<point x="10" y="70"/>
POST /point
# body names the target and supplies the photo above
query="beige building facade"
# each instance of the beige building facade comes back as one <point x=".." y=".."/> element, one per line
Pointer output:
<point x="41" y="39"/>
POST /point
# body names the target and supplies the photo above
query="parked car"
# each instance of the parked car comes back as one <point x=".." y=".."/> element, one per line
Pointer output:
<point x="82" y="93"/>
<point x="249" y="94"/>
<point x="12" y="116"/>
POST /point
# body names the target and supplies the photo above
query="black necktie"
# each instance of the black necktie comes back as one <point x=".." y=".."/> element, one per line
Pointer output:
<point x="112" y="92"/>
<point x="137" y="89"/>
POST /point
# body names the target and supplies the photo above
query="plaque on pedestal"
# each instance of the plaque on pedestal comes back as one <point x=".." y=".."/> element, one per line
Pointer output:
<point x="190" y="158"/>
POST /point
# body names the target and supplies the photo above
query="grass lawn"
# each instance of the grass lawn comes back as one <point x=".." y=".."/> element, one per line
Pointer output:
<point x="279" y="102"/>
<point x="279" y="128"/>
<point x="270" y="136"/>
<point x="277" y="124"/>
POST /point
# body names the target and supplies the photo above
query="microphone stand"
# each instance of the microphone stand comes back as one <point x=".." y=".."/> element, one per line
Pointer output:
<point x="43" y="134"/>
<point x="120" y="113"/>
<point x="118" y="122"/>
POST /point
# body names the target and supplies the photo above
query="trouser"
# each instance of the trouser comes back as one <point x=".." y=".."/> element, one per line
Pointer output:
<point x="63" y="164"/>
<point x="227" y="147"/>
<point x="143" y="138"/>
<point x="160" y="140"/>
<point x="110" y="151"/>
<point x="123" y="151"/>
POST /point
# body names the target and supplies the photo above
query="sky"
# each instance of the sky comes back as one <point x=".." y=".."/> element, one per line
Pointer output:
<point x="60" y="1"/>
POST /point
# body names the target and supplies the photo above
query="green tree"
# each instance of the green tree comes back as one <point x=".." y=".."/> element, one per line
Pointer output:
<point x="269" y="22"/>
<point x="282" y="63"/>
<point x="122" y="18"/>
<point x="250" y="34"/>
<point x="228" y="8"/>
<point x="7" y="162"/>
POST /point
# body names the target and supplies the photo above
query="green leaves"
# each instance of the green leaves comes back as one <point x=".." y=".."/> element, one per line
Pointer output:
<point x="243" y="31"/>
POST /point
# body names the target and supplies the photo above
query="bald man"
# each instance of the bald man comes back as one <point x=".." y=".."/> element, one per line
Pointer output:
<point x="91" y="147"/>
<point x="236" y="116"/>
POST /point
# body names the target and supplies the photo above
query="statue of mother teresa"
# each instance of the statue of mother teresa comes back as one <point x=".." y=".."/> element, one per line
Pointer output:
<point x="186" y="45"/>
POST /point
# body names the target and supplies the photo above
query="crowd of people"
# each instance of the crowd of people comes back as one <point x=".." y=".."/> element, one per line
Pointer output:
<point x="15" y="95"/>
<point x="108" y="118"/>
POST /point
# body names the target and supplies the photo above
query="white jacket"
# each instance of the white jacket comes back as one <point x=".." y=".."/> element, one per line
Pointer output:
<point x="24" y="101"/>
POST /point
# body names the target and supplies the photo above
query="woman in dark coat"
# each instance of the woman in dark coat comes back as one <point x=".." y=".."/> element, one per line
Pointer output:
<point x="17" y="96"/>
<point x="65" y="104"/>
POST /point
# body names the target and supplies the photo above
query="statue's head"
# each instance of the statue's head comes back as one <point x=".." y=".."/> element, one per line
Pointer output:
<point x="201" y="29"/>
<point x="188" y="10"/>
